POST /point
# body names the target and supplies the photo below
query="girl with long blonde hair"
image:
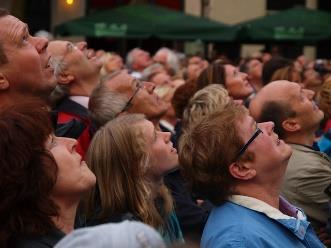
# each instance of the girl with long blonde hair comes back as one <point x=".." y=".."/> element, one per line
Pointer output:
<point x="129" y="158"/>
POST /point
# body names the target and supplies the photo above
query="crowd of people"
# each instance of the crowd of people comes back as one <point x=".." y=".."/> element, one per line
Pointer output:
<point x="160" y="151"/>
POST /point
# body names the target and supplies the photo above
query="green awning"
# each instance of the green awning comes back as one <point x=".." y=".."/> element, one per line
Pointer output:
<point x="144" y="21"/>
<point x="296" y="24"/>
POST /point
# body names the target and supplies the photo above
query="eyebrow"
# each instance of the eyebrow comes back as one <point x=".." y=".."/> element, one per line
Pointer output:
<point x="23" y="29"/>
<point x="253" y="123"/>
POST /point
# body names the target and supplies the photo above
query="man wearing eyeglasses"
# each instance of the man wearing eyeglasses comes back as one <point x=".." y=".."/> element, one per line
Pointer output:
<point x="77" y="71"/>
<point x="297" y="117"/>
<point x="139" y="98"/>
<point x="239" y="165"/>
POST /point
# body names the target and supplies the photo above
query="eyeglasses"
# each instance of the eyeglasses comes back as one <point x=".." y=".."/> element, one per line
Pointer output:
<point x="244" y="148"/>
<point x="139" y="85"/>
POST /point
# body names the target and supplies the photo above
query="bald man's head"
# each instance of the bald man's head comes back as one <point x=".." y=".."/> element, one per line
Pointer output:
<point x="275" y="91"/>
<point x="289" y="106"/>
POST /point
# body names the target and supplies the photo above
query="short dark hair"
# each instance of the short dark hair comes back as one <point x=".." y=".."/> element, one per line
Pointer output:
<point x="276" y="112"/>
<point x="3" y="57"/>
<point x="28" y="172"/>
<point x="273" y="65"/>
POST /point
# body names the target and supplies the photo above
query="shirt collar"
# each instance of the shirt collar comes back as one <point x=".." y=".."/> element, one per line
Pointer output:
<point x="285" y="211"/>
<point x="82" y="100"/>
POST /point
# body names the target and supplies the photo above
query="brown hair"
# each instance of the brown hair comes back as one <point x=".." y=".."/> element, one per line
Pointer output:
<point x="3" y="57"/>
<point x="206" y="150"/>
<point x="27" y="172"/>
<point x="277" y="112"/>
<point x="182" y="96"/>
<point x="213" y="74"/>
<point x="285" y="73"/>
<point x="118" y="157"/>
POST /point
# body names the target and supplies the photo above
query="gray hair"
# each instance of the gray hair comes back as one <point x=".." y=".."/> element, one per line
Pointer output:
<point x="130" y="58"/>
<point x="172" y="59"/>
<point x="104" y="104"/>
<point x="59" y="93"/>
<point x="58" y="64"/>
<point x="151" y="70"/>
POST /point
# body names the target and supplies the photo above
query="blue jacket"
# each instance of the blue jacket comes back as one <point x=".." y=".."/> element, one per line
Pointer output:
<point x="248" y="222"/>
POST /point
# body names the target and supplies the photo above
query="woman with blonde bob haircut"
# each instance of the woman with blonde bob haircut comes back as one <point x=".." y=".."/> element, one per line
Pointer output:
<point x="205" y="101"/>
<point x="130" y="159"/>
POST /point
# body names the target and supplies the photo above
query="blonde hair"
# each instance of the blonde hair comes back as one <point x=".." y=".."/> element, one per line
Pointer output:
<point x="118" y="156"/>
<point x="205" y="101"/>
<point x="104" y="59"/>
<point x="285" y="73"/>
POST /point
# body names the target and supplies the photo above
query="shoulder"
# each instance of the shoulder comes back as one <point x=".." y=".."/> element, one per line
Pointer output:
<point x="308" y="160"/>
<point x="231" y="225"/>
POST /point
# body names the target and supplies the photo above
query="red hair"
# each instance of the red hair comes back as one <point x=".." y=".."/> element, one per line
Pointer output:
<point x="27" y="172"/>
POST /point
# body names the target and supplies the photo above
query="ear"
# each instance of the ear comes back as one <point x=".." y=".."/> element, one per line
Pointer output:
<point x="291" y="125"/>
<point x="240" y="171"/>
<point x="65" y="78"/>
<point x="4" y="83"/>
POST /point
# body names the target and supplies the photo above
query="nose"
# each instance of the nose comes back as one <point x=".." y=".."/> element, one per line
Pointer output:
<point x="166" y="136"/>
<point x="149" y="86"/>
<point x="267" y="127"/>
<point x="69" y="143"/>
<point x="40" y="43"/>
<point x="81" y="45"/>
<point x="244" y="75"/>
<point x="309" y="93"/>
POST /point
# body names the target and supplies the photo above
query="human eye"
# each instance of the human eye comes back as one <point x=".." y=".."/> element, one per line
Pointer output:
<point x="25" y="37"/>
<point x="52" y="141"/>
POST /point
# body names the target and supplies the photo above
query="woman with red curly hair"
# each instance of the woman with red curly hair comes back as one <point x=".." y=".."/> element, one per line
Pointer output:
<point x="42" y="178"/>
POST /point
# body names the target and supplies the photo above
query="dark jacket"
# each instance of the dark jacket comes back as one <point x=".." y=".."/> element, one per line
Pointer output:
<point x="45" y="241"/>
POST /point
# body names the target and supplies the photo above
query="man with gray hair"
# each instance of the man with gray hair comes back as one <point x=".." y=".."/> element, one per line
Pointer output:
<point x="77" y="71"/>
<point x="169" y="59"/>
<point x="137" y="60"/>
<point x="121" y="93"/>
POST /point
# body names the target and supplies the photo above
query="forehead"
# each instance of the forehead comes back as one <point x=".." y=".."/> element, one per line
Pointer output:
<point x="121" y="82"/>
<point x="148" y="129"/>
<point x="254" y="62"/>
<point x="59" y="47"/>
<point x="229" y="68"/>
<point x="10" y="27"/>
<point x="245" y="125"/>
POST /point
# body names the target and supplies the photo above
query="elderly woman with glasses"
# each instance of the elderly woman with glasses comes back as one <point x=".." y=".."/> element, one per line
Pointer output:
<point x="239" y="165"/>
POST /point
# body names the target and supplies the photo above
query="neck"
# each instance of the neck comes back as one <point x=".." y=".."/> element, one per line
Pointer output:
<point x="156" y="123"/>
<point x="10" y="97"/>
<point x="83" y="87"/>
<point x="302" y="139"/>
<point x="156" y="183"/>
<point x="257" y="84"/>
<point x="267" y="194"/>
<point x="67" y="212"/>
